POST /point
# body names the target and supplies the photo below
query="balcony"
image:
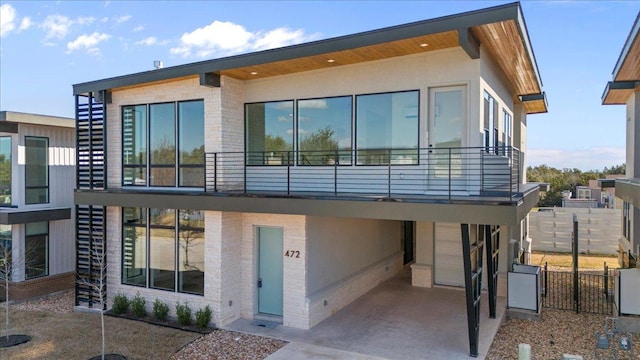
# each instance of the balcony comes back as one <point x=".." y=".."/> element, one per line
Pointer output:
<point x="442" y="174"/>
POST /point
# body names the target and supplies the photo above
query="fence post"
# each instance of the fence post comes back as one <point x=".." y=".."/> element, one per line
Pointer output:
<point x="288" y="173"/>
<point x="335" y="173"/>
<point x="546" y="280"/>
<point x="606" y="281"/>
<point x="389" y="173"/>
<point x="215" y="172"/>
<point x="576" y="283"/>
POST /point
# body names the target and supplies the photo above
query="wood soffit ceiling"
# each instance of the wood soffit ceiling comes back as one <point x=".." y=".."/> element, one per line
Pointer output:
<point x="502" y="40"/>
<point x="630" y="69"/>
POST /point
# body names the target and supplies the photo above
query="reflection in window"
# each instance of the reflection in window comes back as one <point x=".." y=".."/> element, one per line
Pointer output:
<point x="36" y="170"/>
<point x="191" y="252"/>
<point x="490" y="124"/>
<point x="5" y="249"/>
<point x="157" y="240"/>
<point x="269" y="133"/>
<point x="36" y="249"/>
<point x="162" y="145"/>
<point x="387" y="128"/>
<point x="158" y="128"/>
<point x="324" y="127"/>
<point x="134" y="144"/>
<point x="5" y="171"/>
<point x="191" y="143"/>
<point x="134" y="247"/>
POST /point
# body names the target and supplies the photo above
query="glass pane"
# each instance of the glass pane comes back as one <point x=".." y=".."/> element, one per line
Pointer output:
<point x="5" y="249"/>
<point x="134" y="255"/>
<point x="134" y="143"/>
<point x="385" y="122"/>
<point x="162" y="136"/>
<point x="134" y="216"/>
<point x="269" y="133"/>
<point x="448" y="119"/>
<point x="191" y="256"/>
<point x="324" y="126"/>
<point x="5" y="171"/>
<point x="191" y="142"/>
<point x="36" y="170"/>
<point x="36" y="249"/>
<point x="162" y="257"/>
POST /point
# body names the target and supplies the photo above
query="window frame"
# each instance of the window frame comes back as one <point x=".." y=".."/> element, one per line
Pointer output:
<point x="290" y="160"/>
<point x="147" y="167"/>
<point x="9" y="195"/>
<point x="146" y="212"/>
<point x="389" y="150"/>
<point x="46" y="255"/>
<point x="26" y="169"/>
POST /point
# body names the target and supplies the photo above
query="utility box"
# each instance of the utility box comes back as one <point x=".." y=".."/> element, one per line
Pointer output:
<point x="524" y="288"/>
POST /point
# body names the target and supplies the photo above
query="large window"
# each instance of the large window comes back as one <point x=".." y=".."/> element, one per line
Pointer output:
<point x="163" y="249"/>
<point x="174" y="135"/>
<point x="36" y="170"/>
<point x="36" y="249"/>
<point x="5" y="171"/>
<point x="269" y="133"/>
<point x="508" y="130"/>
<point x="491" y="124"/>
<point x="387" y="121"/>
<point x="324" y="131"/>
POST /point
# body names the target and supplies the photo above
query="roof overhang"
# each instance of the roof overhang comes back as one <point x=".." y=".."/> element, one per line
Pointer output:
<point x="10" y="216"/>
<point x="626" y="73"/>
<point x="617" y="92"/>
<point x="36" y="119"/>
<point x="501" y="30"/>
<point x="534" y="103"/>
<point x="629" y="190"/>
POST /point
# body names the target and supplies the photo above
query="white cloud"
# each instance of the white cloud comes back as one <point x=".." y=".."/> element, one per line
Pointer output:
<point x="313" y="104"/>
<point x="88" y="42"/>
<point x="25" y="24"/>
<point x="7" y="19"/>
<point x="138" y="28"/>
<point x="595" y="158"/>
<point x="277" y="38"/>
<point x="56" y="26"/>
<point x="122" y="19"/>
<point x="104" y="19"/>
<point x="85" y="20"/>
<point x="150" y="41"/>
<point x="226" y="38"/>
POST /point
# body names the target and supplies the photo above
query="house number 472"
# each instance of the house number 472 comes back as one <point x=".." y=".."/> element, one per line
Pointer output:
<point x="292" y="253"/>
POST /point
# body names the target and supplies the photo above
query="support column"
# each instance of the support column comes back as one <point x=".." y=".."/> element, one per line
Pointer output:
<point x="492" y="241"/>
<point x="472" y="252"/>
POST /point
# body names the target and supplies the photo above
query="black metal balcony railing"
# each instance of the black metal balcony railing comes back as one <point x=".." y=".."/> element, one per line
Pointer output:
<point x="392" y="173"/>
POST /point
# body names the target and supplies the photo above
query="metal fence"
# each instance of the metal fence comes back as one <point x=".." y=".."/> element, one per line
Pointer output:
<point x="493" y="172"/>
<point x="581" y="291"/>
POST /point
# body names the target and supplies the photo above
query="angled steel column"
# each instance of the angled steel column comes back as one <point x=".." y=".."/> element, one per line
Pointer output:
<point x="472" y="252"/>
<point x="492" y="241"/>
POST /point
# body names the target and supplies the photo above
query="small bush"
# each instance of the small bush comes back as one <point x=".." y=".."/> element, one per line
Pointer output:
<point x="138" y="306"/>
<point x="203" y="317"/>
<point x="120" y="304"/>
<point x="183" y="312"/>
<point x="160" y="310"/>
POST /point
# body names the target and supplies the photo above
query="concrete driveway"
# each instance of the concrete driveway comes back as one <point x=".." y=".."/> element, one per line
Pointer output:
<point x="392" y="321"/>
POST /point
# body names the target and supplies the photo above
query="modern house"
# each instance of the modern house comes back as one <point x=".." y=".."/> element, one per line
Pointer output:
<point x="287" y="183"/>
<point x="37" y="230"/>
<point x="624" y="89"/>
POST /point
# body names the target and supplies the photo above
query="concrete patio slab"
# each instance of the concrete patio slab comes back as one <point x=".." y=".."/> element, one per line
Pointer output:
<point x="393" y="321"/>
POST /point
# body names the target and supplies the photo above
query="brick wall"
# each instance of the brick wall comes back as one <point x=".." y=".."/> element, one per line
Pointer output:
<point x="38" y="287"/>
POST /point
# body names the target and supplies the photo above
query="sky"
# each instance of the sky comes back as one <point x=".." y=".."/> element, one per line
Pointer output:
<point x="47" y="46"/>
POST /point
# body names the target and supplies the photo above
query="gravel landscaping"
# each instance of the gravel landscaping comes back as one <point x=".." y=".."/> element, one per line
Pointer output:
<point x="557" y="332"/>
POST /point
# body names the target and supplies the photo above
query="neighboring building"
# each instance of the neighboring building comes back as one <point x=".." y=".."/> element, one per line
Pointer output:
<point x="37" y="172"/>
<point x="286" y="183"/>
<point x="624" y="89"/>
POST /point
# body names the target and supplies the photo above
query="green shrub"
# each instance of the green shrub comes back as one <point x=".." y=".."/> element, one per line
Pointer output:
<point x="138" y="306"/>
<point x="183" y="312"/>
<point x="160" y="310"/>
<point x="120" y="304"/>
<point x="203" y="317"/>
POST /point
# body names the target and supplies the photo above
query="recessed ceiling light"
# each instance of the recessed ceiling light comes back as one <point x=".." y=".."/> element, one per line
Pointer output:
<point x="330" y="60"/>
<point x="254" y="73"/>
<point x="424" y="45"/>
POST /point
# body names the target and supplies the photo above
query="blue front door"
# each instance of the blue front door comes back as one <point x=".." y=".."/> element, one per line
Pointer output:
<point x="270" y="258"/>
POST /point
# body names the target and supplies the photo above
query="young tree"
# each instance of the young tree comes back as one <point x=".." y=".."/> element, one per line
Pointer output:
<point x="98" y="286"/>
